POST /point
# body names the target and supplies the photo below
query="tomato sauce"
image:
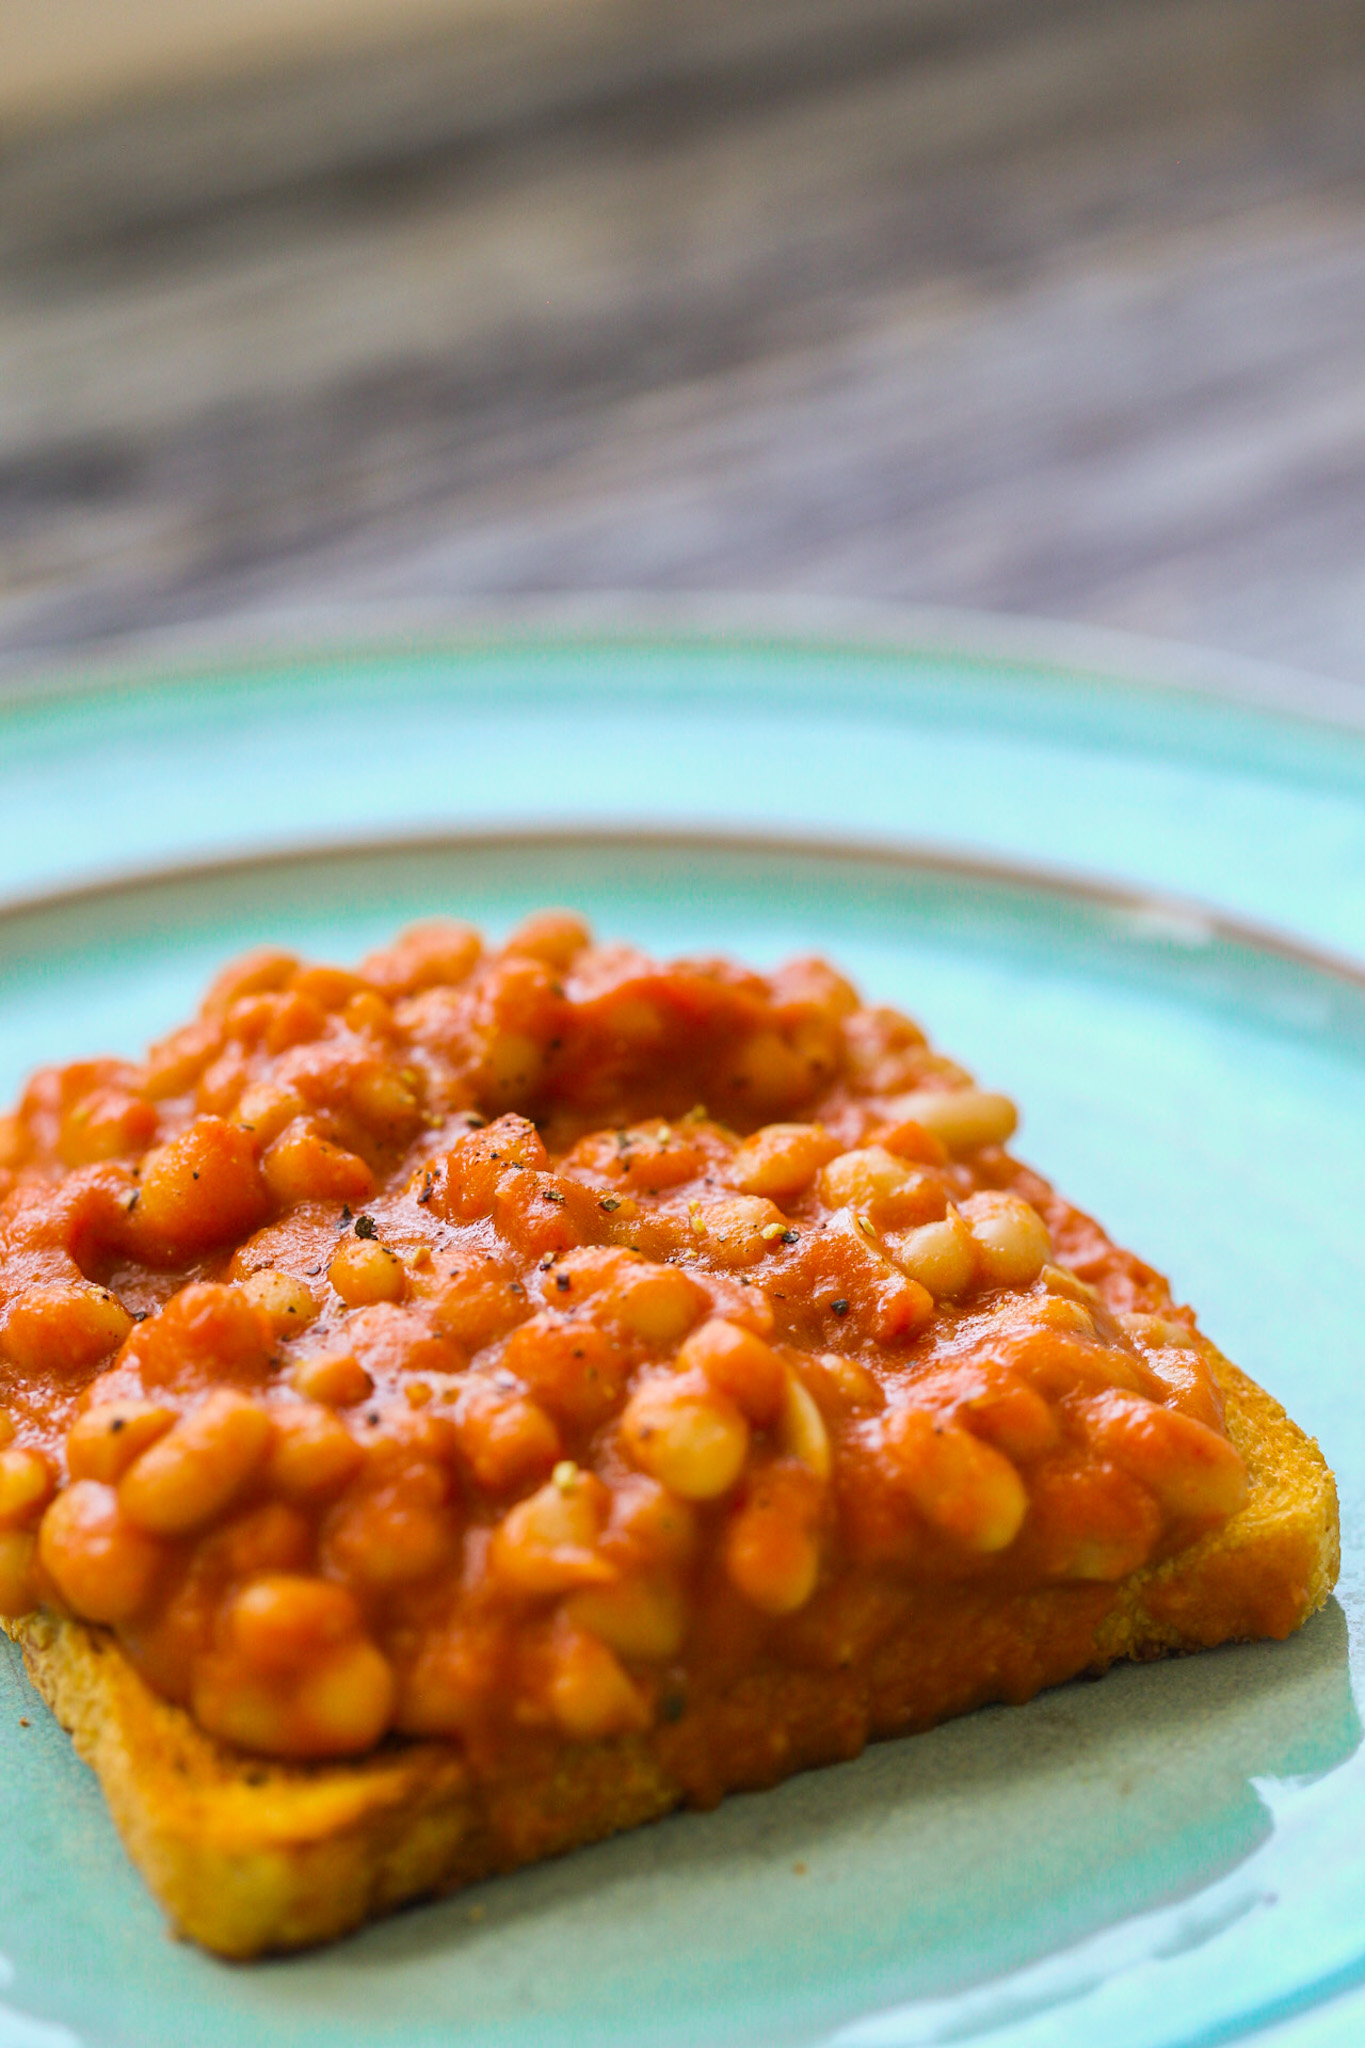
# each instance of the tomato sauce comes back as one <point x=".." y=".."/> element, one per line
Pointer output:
<point x="534" y="1340"/>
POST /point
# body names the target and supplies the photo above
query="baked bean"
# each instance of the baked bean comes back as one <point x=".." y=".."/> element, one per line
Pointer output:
<point x="265" y="968"/>
<point x="1065" y="1314"/>
<point x="303" y="1166"/>
<point x="737" y="1364"/>
<point x="369" y="1015"/>
<point x="275" y="1021"/>
<point x="941" y="1256"/>
<point x="288" y="1302"/>
<point x="892" y="1307"/>
<point x="542" y="1214"/>
<point x="962" y="1486"/>
<point x="394" y="1527"/>
<point x="1193" y="1472"/>
<point x="1158" y="1332"/>
<point x="220" y="1086"/>
<point x="198" y="1468"/>
<point x="339" y="1706"/>
<point x="385" y="1104"/>
<point x="201" y="1189"/>
<point x="265" y="1110"/>
<point x="505" y="1438"/>
<point x="331" y="988"/>
<point x="205" y="1334"/>
<point x="771" y="1547"/>
<point x="1014" y="1418"/>
<point x="63" y="1330"/>
<point x="174" y="1064"/>
<point x="654" y="1526"/>
<point x="590" y="1695"/>
<point x="547" y="1543"/>
<point x="554" y="936"/>
<point x="740" y="1231"/>
<point x="474" y="1304"/>
<point x="333" y="1378"/>
<point x="782" y="1159"/>
<point x="313" y="1454"/>
<point x="841" y="1385"/>
<point x="1058" y="1362"/>
<point x="908" y="1140"/>
<point x="963" y="1119"/>
<point x="103" y="1442"/>
<point x="26" y="1483"/>
<point x="863" y="1177"/>
<point x="439" y="952"/>
<point x="364" y="1271"/>
<point x="1177" y="1375"/>
<point x="638" y="1618"/>
<point x="345" y="1701"/>
<point x="575" y="1369"/>
<point x="655" y="1157"/>
<point x="108" y="1123"/>
<point x="101" y="1563"/>
<point x="1060" y="1281"/>
<point x="687" y="1435"/>
<point x="1093" y="1522"/>
<point x="466" y="1179"/>
<point x="657" y="1304"/>
<point x="801" y="1428"/>
<point x="1010" y="1237"/>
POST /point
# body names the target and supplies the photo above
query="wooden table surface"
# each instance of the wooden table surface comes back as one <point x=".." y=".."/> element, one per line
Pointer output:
<point x="1026" y="305"/>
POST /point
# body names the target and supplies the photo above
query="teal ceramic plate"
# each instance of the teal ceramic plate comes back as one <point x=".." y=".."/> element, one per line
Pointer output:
<point x="1173" y="1857"/>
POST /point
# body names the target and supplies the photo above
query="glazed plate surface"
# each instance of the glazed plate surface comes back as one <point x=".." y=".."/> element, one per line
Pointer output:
<point x="1175" y="1856"/>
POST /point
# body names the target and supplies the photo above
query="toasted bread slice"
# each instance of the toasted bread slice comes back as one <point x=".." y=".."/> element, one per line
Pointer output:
<point x="248" y="1857"/>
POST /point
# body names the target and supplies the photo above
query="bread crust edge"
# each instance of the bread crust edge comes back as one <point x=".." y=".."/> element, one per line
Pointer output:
<point x="249" y="1857"/>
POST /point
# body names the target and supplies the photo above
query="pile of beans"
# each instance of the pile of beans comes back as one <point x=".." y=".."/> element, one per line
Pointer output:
<point x="535" y="1339"/>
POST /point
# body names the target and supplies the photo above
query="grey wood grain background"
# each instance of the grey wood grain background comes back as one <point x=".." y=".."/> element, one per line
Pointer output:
<point x="1030" y="305"/>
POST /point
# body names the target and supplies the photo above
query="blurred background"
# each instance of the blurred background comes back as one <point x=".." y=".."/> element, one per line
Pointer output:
<point x="1053" y="307"/>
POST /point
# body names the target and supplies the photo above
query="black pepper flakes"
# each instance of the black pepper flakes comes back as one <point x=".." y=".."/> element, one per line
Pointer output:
<point x="791" y="1237"/>
<point x="365" y="1227"/>
<point x="610" y="1203"/>
<point x="563" y="1281"/>
<point x="840" y="1307"/>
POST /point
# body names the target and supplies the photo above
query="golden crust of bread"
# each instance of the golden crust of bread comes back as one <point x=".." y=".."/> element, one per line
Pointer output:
<point x="248" y="1857"/>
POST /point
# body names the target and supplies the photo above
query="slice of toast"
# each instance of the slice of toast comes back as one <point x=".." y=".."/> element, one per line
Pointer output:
<point x="248" y="1856"/>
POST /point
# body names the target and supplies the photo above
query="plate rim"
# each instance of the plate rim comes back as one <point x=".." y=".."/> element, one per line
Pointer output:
<point x="1188" y="917"/>
<point x="373" y="629"/>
